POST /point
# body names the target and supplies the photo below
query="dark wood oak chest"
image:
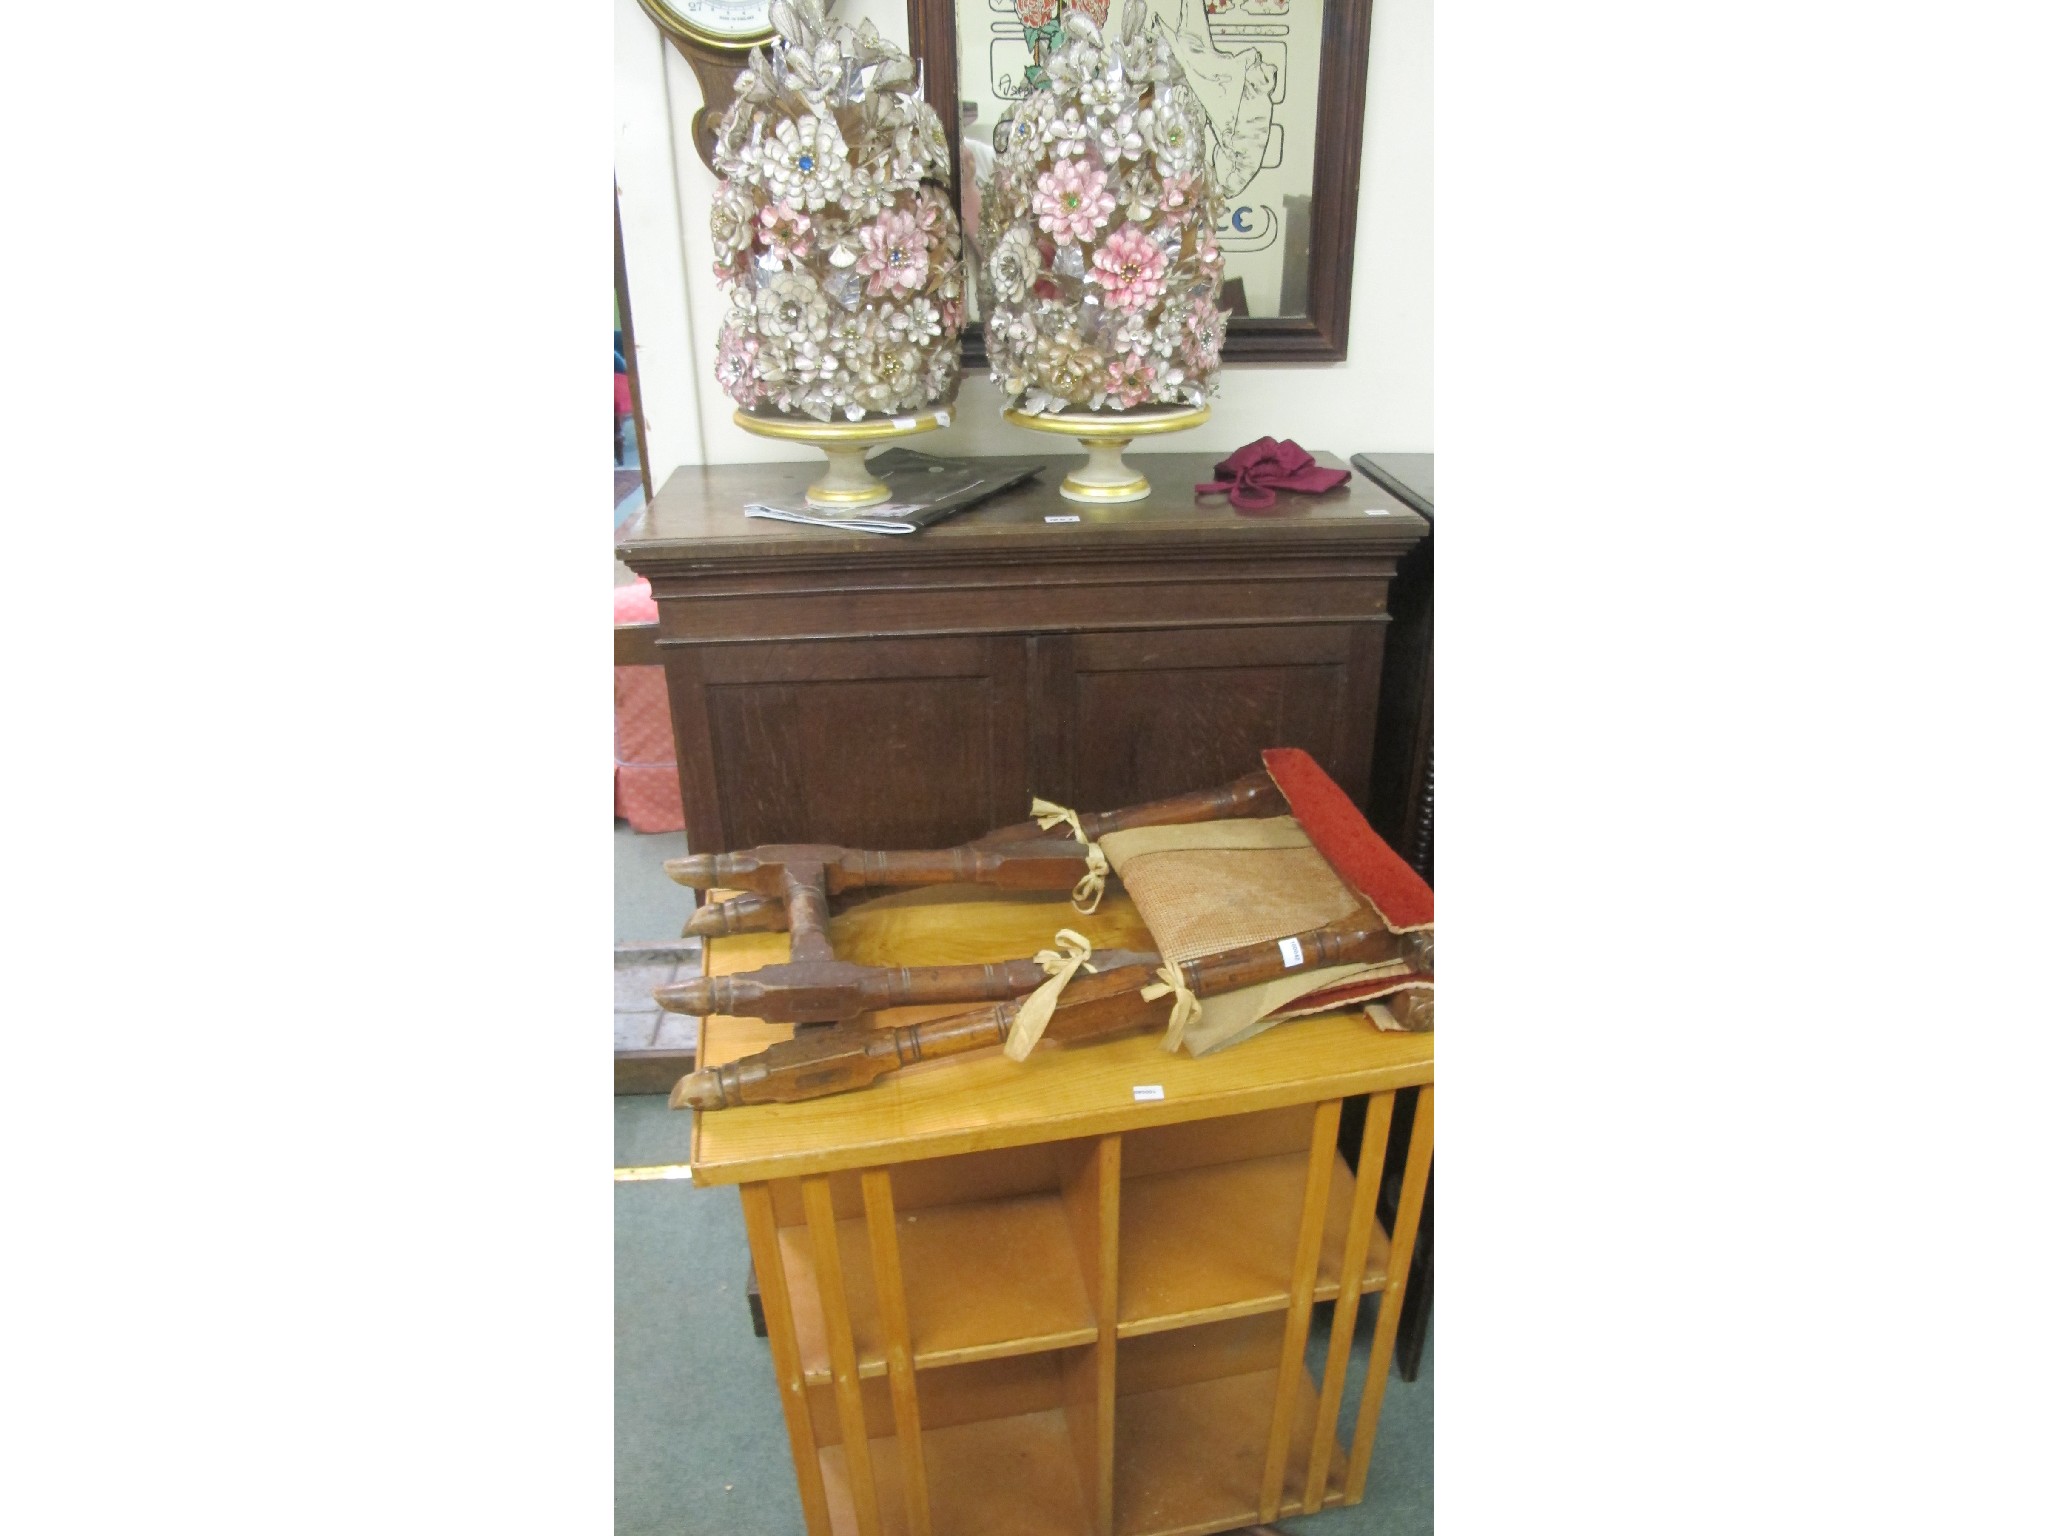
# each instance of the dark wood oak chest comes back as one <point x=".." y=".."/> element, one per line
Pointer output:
<point x="915" y="691"/>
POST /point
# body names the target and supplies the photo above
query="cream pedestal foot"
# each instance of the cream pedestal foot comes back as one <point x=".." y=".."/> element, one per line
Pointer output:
<point x="847" y="482"/>
<point x="847" y="486"/>
<point x="1106" y="478"/>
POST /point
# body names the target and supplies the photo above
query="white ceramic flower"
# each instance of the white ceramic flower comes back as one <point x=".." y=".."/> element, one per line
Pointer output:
<point x="1069" y="134"/>
<point x="1174" y="138"/>
<point x="1078" y="59"/>
<point x="1126" y="333"/>
<point x="918" y="321"/>
<point x="732" y="229"/>
<point x="791" y="306"/>
<point x="818" y="71"/>
<point x="1014" y="327"/>
<point x="891" y="376"/>
<point x="1027" y="129"/>
<point x="826" y="398"/>
<point x="812" y="359"/>
<point x="805" y="162"/>
<point x="1014" y="265"/>
<point x="1103" y="95"/>
<point x="931" y="138"/>
<point x="1119" y="139"/>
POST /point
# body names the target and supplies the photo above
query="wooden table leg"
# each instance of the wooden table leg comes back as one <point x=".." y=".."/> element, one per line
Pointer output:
<point x="756" y="1203"/>
<point x="1344" y="1320"/>
<point x="1421" y="1287"/>
<point x="1413" y="1179"/>
<point x="1301" y="1302"/>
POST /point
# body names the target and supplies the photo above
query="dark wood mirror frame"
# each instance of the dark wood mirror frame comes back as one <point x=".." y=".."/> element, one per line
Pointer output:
<point x="1323" y="334"/>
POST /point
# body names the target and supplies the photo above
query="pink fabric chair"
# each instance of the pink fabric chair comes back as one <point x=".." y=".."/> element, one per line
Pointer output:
<point x="645" y="787"/>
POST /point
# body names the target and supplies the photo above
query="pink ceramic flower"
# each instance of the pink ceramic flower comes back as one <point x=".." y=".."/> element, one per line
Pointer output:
<point x="1130" y="381"/>
<point x="1173" y="195"/>
<point x="1071" y="201"/>
<point x="785" y="232"/>
<point x="1131" y="269"/>
<point x="739" y="366"/>
<point x="894" y="258"/>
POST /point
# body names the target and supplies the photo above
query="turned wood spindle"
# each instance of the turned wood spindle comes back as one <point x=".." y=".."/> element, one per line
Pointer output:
<point x="747" y="913"/>
<point x="1253" y="795"/>
<point x="817" y="993"/>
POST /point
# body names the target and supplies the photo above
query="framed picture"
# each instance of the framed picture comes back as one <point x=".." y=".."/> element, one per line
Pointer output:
<point x="1281" y="84"/>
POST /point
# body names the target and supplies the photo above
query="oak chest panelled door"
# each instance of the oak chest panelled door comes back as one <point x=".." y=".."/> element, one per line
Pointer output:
<point x="915" y="691"/>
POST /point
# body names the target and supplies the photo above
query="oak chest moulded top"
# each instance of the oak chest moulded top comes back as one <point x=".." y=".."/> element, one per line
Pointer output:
<point x="695" y="525"/>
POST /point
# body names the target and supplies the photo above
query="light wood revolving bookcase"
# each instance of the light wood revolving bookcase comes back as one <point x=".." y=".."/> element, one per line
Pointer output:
<point x="1012" y="1299"/>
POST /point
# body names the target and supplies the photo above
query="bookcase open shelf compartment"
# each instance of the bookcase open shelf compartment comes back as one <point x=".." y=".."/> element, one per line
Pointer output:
<point x="1099" y="1335"/>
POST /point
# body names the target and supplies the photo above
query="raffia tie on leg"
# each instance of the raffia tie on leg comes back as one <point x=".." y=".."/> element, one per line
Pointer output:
<point x="1186" y="1006"/>
<point x="1060" y="965"/>
<point x="1088" y="891"/>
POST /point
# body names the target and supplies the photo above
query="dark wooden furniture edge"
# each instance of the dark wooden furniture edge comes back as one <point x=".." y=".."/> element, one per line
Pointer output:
<point x="1176" y="544"/>
<point x="1392" y="484"/>
<point x="633" y="645"/>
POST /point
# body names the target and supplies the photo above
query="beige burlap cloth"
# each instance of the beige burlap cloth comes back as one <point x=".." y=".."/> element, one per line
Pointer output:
<point x="1214" y="885"/>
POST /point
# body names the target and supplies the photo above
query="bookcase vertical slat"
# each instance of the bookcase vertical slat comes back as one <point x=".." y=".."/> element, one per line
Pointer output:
<point x="1414" y="1181"/>
<point x="1308" y="1248"/>
<point x="1109" y="1216"/>
<point x="758" y="1207"/>
<point x="880" y="1200"/>
<point x="853" y="1431"/>
<point x="1372" y="1156"/>
<point x="1088" y="1181"/>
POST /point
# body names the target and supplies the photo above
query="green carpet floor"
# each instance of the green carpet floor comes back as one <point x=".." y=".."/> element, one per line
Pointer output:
<point x="699" y="1443"/>
<point x="646" y="904"/>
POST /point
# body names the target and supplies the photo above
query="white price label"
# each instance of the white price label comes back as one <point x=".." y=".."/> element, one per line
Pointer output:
<point x="1071" y="517"/>
<point x="904" y="423"/>
<point x="1290" y="953"/>
<point x="945" y="418"/>
<point x="1379" y="512"/>
<point x="1145" y="1092"/>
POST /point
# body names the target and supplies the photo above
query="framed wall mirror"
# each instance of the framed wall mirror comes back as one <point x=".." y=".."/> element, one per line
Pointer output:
<point x="1282" y="86"/>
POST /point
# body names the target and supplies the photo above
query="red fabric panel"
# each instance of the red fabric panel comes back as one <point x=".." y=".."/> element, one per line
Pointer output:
<point x="634" y="603"/>
<point x="647" y="791"/>
<point x="649" y="796"/>
<point x="1343" y="836"/>
<point x="645" y="787"/>
<point x="1363" y="990"/>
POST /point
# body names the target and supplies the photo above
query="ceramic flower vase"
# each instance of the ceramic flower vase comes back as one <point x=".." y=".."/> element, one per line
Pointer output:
<point x="1098" y="222"/>
<point x="834" y="237"/>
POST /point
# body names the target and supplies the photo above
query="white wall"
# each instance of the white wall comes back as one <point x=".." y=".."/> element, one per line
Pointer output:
<point x="1380" y="397"/>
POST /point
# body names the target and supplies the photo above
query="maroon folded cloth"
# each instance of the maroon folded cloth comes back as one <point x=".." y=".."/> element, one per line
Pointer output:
<point x="1257" y="470"/>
